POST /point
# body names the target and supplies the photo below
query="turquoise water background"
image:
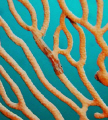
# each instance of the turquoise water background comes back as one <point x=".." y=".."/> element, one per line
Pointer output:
<point x="16" y="52"/>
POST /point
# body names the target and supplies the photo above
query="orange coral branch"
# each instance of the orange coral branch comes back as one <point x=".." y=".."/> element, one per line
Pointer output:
<point x="101" y="75"/>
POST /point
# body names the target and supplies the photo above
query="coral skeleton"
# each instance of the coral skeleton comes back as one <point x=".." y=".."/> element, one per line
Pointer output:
<point x="52" y="55"/>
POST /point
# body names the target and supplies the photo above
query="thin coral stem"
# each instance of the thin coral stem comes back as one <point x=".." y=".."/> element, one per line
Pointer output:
<point x="21" y="103"/>
<point x="101" y="75"/>
<point x="8" y="113"/>
<point x="31" y="87"/>
<point x="38" y="71"/>
<point x="99" y="13"/>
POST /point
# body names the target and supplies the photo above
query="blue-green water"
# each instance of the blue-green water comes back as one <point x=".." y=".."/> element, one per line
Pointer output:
<point x="16" y="52"/>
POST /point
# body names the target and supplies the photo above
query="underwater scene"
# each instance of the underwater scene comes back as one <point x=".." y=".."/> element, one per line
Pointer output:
<point x="53" y="59"/>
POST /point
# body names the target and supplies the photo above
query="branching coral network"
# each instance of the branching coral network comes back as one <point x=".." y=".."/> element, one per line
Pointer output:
<point x="101" y="75"/>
